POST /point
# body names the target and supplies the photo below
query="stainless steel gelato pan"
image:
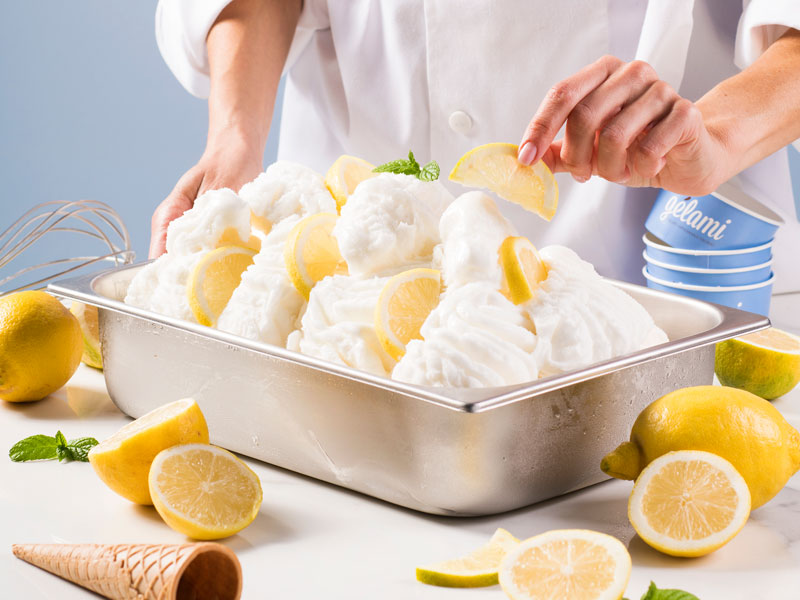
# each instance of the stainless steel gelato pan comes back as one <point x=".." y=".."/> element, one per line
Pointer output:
<point x="438" y="450"/>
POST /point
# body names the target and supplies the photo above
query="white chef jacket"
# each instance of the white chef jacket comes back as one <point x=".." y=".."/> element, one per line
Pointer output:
<point x="376" y="78"/>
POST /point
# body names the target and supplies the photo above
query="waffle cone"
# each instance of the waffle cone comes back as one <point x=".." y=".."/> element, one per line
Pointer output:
<point x="142" y="571"/>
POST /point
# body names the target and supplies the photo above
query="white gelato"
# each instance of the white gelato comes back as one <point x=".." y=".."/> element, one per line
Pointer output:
<point x="339" y="324"/>
<point x="581" y="319"/>
<point x="265" y="305"/>
<point x="161" y="286"/>
<point x="287" y="189"/>
<point x="390" y="222"/>
<point x="475" y="338"/>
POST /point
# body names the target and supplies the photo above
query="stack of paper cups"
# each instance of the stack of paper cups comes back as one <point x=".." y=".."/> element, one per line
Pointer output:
<point x="716" y="248"/>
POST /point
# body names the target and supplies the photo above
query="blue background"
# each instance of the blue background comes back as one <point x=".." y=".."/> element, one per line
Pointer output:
<point x="89" y="110"/>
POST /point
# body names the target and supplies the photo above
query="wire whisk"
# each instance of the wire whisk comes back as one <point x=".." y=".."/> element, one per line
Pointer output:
<point x="90" y="218"/>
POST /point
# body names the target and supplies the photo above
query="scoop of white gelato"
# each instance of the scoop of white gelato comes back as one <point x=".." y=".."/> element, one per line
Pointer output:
<point x="265" y="305"/>
<point x="286" y="189"/>
<point x="472" y="229"/>
<point x="475" y="337"/>
<point x="217" y="216"/>
<point x="390" y="221"/>
<point x="581" y="319"/>
<point x="339" y="324"/>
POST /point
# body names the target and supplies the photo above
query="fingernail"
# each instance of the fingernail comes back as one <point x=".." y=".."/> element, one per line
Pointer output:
<point x="527" y="153"/>
<point x="580" y="178"/>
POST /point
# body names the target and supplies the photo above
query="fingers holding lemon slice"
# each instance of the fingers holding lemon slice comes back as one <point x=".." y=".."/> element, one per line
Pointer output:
<point x="496" y="168"/>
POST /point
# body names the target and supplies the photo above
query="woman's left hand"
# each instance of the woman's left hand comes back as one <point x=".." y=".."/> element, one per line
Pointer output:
<point x="626" y="125"/>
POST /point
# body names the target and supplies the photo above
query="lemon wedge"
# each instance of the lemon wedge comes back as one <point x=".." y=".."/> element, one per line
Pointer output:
<point x="566" y="563"/>
<point x="90" y="328"/>
<point x="689" y="503"/>
<point x="213" y="280"/>
<point x="523" y="269"/>
<point x="203" y="491"/>
<point x="311" y="252"/>
<point x="765" y="363"/>
<point x="344" y="176"/>
<point x="495" y="167"/>
<point x="123" y="460"/>
<point x="477" y="569"/>
<point x="403" y="305"/>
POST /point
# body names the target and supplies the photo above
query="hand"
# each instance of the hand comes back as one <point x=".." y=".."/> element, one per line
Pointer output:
<point x="626" y="125"/>
<point x="227" y="164"/>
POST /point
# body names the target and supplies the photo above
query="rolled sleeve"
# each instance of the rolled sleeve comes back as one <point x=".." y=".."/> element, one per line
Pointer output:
<point x="763" y="22"/>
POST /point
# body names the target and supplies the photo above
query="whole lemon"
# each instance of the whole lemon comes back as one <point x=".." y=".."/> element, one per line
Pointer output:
<point x="738" y="426"/>
<point x="40" y="346"/>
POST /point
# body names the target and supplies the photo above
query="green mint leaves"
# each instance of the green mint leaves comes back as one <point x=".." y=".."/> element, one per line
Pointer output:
<point x="45" y="447"/>
<point x="653" y="593"/>
<point x="410" y="166"/>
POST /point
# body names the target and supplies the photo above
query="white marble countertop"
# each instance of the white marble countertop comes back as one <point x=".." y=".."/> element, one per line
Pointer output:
<point x="315" y="540"/>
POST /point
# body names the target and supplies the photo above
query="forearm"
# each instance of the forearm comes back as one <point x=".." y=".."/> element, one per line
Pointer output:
<point x="757" y="111"/>
<point x="247" y="49"/>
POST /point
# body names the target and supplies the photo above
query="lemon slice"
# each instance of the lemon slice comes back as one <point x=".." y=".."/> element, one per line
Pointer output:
<point x="765" y="363"/>
<point x="344" y="176"/>
<point x="403" y="305"/>
<point x="214" y="279"/>
<point x="203" y="491"/>
<point x="689" y="503"/>
<point x="477" y="569"/>
<point x="311" y="252"/>
<point x="495" y="167"/>
<point x="523" y="269"/>
<point x="123" y="460"/>
<point x="90" y="328"/>
<point x="566" y="563"/>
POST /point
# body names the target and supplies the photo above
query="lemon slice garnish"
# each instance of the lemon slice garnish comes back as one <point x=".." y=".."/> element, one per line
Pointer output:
<point x="566" y="563"/>
<point x="344" y="176"/>
<point x="403" y="305"/>
<point x="203" y="491"/>
<point x="123" y="460"/>
<point x="689" y="503"/>
<point x="495" y="167"/>
<point x="311" y="252"/>
<point x="523" y="269"/>
<point x="477" y="569"/>
<point x="214" y="279"/>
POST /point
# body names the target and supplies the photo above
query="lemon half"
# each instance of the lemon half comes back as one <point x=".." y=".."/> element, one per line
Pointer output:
<point x="689" y="503"/>
<point x="90" y="328"/>
<point x="496" y="168"/>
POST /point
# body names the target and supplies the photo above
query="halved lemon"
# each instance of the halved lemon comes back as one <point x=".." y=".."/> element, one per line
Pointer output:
<point x="765" y="363"/>
<point x="689" y="503"/>
<point x="203" y="491"/>
<point x="495" y="167"/>
<point x="213" y="280"/>
<point x="311" y="252"/>
<point x="403" y="305"/>
<point x="344" y="176"/>
<point x="523" y="269"/>
<point x="477" y="569"/>
<point x="566" y="563"/>
<point x="90" y="328"/>
<point x="123" y="461"/>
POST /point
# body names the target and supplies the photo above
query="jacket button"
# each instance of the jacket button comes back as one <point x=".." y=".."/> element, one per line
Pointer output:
<point x="460" y="122"/>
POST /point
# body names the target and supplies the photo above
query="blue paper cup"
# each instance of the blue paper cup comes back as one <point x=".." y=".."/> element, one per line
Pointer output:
<point x="752" y="298"/>
<point x="726" y="219"/>
<point x="708" y="277"/>
<point x="706" y="259"/>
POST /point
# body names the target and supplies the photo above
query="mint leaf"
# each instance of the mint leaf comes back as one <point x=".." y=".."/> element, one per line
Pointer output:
<point x="45" y="447"/>
<point x="430" y="172"/>
<point x="35" y="447"/>
<point x="653" y="593"/>
<point x="79" y="448"/>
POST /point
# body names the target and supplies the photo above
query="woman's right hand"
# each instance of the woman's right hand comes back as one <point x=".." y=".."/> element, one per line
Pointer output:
<point x="228" y="164"/>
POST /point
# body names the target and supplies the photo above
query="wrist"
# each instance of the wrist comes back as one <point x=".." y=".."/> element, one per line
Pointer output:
<point x="235" y="137"/>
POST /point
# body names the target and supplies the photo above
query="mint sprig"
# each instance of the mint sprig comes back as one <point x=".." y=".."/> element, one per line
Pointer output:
<point x="653" y="593"/>
<point x="45" y="447"/>
<point x="410" y="166"/>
